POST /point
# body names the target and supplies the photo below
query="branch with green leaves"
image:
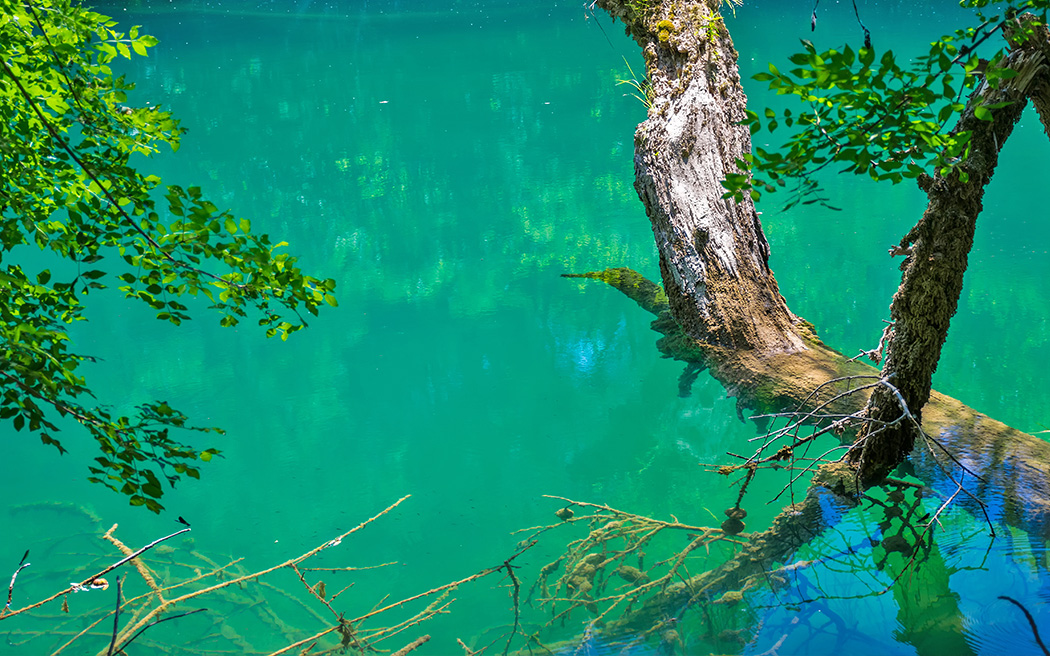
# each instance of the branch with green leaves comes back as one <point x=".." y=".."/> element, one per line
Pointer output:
<point x="872" y="115"/>
<point x="67" y="187"/>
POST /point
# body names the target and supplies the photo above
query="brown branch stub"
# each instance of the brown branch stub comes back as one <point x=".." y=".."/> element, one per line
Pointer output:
<point x="412" y="646"/>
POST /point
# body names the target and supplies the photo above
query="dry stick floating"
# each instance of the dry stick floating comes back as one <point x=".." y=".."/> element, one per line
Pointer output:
<point x="144" y="571"/>
<point x="345" y="569"/>
<point x="76" y="587"/>
<point x="134" y="628"/>
<point x="22" y="564"/>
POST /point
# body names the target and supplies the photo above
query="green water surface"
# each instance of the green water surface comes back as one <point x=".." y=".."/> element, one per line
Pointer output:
<point x="445" y="162"/>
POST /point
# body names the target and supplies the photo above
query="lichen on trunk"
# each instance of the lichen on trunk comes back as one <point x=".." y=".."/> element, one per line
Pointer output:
<point x="723" y="310"/>
<point x="714" y="256"/>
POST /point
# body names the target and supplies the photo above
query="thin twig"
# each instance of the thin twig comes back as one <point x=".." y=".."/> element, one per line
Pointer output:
<point x="78" y="586"/>
<point x="116" y="620"/>
<point x="156" y="622"/>
<point x="1031" y="622"/>
<point x="22" y="564"/>
<point x="294" y="561"/>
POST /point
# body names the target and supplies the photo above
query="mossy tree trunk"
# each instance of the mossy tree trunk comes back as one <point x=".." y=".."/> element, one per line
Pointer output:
<point x="714" y="256"/>
<point x="723" y="310"/>
<point x="939" y="247"/>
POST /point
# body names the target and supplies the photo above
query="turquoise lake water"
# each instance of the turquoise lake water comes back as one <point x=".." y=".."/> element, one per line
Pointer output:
<point x="445" y="162"/>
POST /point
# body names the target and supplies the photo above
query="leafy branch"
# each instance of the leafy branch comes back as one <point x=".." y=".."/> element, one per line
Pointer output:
<point x="874" y="116"/>
<point x="67" y="136"/>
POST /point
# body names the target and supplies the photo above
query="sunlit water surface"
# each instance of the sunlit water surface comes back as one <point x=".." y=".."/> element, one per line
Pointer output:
<point x="445" y="162"/>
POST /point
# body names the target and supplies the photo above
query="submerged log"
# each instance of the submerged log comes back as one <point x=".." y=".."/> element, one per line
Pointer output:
<point x="1012" y="464"/>
<point x="723" y="311"/>
<point x="1012" y="486"/>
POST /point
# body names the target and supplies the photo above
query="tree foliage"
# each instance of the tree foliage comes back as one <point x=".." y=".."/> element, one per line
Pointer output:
<point x="68" y="187"/>
<point x="872" y="115"/>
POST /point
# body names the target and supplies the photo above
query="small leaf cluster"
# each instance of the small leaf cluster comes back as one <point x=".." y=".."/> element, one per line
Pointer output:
<point x="871" y="115"/>
<point x="68" y="189"/>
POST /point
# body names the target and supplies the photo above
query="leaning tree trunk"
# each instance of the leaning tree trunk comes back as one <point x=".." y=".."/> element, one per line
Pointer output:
<point x="723" y="310"/>
<point x="938" y="248"/>
<point x="713" y="254"/>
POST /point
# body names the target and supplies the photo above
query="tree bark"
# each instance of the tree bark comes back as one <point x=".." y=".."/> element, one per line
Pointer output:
<point x="940" y="244"/>
<point x="714" y="258"/>
<point x="723" y="310"/>
<point x="1009" y="466"/>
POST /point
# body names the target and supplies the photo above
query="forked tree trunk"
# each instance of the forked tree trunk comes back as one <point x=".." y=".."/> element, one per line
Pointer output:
<point x="723" y="309"/>
<point x="714" y="256"/>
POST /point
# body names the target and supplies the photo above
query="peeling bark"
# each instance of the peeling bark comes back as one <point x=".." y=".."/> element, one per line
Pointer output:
<point x="714" y="258"/>
<point x="723" y="310"/>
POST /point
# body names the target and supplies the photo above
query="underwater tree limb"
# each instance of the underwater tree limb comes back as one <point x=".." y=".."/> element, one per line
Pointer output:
<point x="412" y="646"/>
<point x="1004" y="461"/>
<point x="216" y="583"/>
<point x="75" y="587"/>
<point x="161" y="607"/>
